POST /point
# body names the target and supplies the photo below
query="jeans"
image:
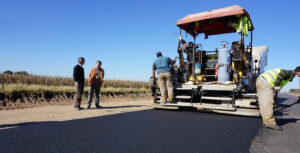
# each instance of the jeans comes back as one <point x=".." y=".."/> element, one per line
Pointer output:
<point x="78" y="94"/>
<point x="96" y="89"/>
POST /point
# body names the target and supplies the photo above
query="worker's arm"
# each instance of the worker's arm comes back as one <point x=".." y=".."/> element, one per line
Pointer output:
<point x="75" y="75"/>
<point x="103" y="75"/>
<point x="193" y="45"/>
<point x="283" y="75"/>
<point x="75" y="71"/>
<point x="90" y="77"/>
<point x="153" y="72"/>
<point x="172" y="61"/>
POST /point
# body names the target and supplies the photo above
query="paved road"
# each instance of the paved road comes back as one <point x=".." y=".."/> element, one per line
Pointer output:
<point x="146" y="131"/>
<point x="286" y="141"/>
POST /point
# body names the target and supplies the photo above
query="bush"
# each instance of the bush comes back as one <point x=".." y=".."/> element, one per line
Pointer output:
<point x="8" y="72"/>
<point x="22" y="73"/>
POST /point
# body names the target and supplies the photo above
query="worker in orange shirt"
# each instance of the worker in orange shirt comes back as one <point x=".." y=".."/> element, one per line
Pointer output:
<point x="95" y="81"/>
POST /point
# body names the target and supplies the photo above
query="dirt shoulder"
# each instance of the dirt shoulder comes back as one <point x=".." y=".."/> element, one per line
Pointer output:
<point x="67" y="112"/>
<point x="294" y="93"/>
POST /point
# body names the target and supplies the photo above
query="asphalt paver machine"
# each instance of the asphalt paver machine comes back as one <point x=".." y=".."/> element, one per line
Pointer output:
<point x="221" y="80"/>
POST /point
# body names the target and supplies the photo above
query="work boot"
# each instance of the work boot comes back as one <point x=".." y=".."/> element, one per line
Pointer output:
<point x="273" y="126"/>
<point x="78" y="107"/>
<point x="170" y="101"/>
<point x="98" y="106"/>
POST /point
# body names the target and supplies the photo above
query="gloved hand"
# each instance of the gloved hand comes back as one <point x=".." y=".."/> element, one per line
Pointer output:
<point x="154" y="80"/>
<point x="277" y="88"/>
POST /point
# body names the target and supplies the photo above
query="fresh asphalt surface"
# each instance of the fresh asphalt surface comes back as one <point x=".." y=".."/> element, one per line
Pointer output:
<point x="142" y="131"/>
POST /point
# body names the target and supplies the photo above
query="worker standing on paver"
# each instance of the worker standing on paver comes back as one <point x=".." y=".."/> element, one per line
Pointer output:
<point x="95" y="81"/>
<point x="163" y="66"/>
<point x="185" y="46"/>
<point x="266" y="84"/>
<point x="78" y="76"/>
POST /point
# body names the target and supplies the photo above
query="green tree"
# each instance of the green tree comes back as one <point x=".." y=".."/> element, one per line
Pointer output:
<point x="8" y="72"/>
<point x="22" y="73"/>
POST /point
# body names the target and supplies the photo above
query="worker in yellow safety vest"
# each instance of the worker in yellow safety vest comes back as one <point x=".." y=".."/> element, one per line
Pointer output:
<point x="266" y="84"/>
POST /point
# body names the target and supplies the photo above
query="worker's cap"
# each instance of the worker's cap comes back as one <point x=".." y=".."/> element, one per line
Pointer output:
<point x="158" y="54"/>
<point x="80" y="59"/>
<point x="297" y="69"/>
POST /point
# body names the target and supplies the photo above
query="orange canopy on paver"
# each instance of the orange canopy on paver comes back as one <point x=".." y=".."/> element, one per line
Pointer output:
<point x="223" y="20"/>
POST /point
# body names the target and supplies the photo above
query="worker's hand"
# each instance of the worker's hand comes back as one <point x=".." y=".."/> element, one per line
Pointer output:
<point x="217" y="66"/>
<point x="76" y="84"/>
<point x="277" y="88"/>
<point x="154" y="79"/>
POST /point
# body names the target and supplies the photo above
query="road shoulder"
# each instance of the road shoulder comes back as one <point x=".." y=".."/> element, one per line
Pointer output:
<point x="67" y="112"/>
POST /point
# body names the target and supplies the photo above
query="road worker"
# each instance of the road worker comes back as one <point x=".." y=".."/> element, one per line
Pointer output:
<point x="95" y="80"/>
<point x="78" y="75"/>
<point x="163" y="66"/>
<point x="266" y="84"/>
<point x="187" y="48"/>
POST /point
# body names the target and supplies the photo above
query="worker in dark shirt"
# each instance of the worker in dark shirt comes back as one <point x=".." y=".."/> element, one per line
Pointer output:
<point x="78" y="75"/>
<point x="266" y="84"/>
<point x="187" y="47"/>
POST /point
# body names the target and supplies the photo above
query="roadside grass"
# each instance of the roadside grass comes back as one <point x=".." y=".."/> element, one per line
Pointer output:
<point x="11" y="88"/>
<point x="66" y="81"/>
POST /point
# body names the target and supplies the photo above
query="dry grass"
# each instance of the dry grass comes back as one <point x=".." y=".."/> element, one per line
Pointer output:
<point x="65" y="81"/>
<point x="10" y="88"/>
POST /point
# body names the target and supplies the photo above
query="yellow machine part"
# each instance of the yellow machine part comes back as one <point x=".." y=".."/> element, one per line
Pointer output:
<point x="238" y="68"/>
<point x="190" y="73"/>
<point x="196" y="79"/>
<point x="181" y="60"/>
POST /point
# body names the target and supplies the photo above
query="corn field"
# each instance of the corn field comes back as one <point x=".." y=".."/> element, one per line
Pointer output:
<point x="65" y="81"/>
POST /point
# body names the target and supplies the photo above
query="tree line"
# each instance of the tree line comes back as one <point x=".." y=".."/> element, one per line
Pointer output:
<point x="18" y="72"/>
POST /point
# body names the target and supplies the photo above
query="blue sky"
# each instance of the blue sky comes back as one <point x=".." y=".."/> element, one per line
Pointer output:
<point x="46" y="37"/>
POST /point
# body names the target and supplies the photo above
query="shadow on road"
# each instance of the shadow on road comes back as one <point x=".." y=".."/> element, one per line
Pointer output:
<point x="126" y="106"/>
<point x="284" y="121"/>
<point x="24" y="124"/>
<point x="140" y="131"/>
<point x="281" y="100"/>
<point x="7" y="126"/>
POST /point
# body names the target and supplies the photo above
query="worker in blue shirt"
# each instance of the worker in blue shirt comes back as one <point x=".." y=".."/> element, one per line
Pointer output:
<point x="163" y="67"/>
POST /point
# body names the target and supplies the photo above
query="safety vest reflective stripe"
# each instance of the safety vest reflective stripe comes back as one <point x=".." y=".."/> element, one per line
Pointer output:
<point x="271" y="76"/>
<point x="276" y="71"/>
